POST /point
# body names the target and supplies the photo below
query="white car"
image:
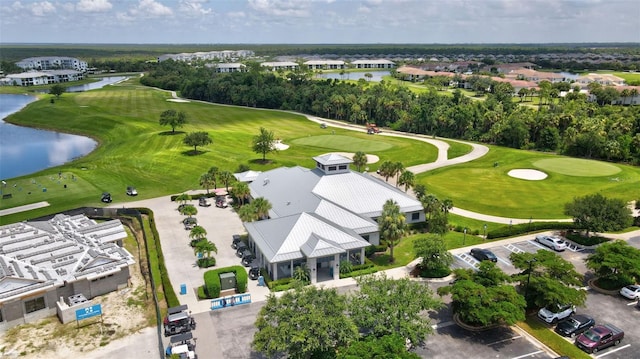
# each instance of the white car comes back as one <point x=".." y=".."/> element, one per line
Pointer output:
<point x="554" y="313"/>
<point x="631" y="292"/>
<point x="552" y="242"/>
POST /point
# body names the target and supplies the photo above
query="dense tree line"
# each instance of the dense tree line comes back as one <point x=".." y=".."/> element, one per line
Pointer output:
<point x="571" y="125"/>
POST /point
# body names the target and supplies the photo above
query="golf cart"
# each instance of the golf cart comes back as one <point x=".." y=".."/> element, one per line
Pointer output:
<point x="236" y="240"/>
<point x="183" y="345"/>
<point x="254" y="272"/>
<point x="240" y="247"/>
<point x="106" y="197"/>
<point x="178" y="321"/>
<point x="189" y="223"/>
<point x="221" y="202"/>
<point x="131" y="191"/>
<point x="247" y="257"/>
<point x="203" y="202"/>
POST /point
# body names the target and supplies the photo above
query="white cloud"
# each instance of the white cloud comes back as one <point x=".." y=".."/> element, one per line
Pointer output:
<point x="42" y="8"/>
<point x="150" y="8"/>
<point x="236" y="14"/>
<point x="281" y="8"/>
<point x="194" y="7"/>
<point x="93" y="6"/>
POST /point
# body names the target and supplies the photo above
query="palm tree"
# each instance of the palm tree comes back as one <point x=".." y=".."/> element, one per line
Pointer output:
<point x="241" y="191"/>
<point x="262" y="207"/>
<point x="183" y="198"/>
<point x="359" y="160"/>
<point x="213" y="171"/>
<point x="391" y="224"/>
<point x="226" y="177"/>
<point x="207" y="180"/>
<point x="189" y="211"/>
<point x="398" y="167"/>
<point x="205" y="247"/>
<point x="447" y="205"/>
<point x="408" y="179"/>
<point x="198" y="233"/>
<point x="247" y="213"/>
<point x="386" y="170"/>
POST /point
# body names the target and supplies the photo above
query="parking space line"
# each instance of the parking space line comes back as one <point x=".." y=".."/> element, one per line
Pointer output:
<point x="528" y="355"/>
<point x="632" y="303"/>
<point x="613" y="351"/>
<point x="505" y="340"/>
<point x="538" y="245"/>
<point x="504" y="261"/>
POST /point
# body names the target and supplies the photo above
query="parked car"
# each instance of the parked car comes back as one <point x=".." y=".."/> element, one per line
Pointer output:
<point x="552" y="242"/>
<point x="482" y="254"/>
<point x="236" y="239"/>
<point x="555" y="313"/>
<point x="575" y="325"/>
<point x="631" y="292"/>
<point x="106" y="197"/>
<point x="599" y="337"/>
<point x="189" y="223"/>
<point x="131" y="191"/>
<point x="203" y="202"/>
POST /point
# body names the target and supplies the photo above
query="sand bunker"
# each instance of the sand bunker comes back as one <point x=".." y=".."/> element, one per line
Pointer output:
<point x="177" y="100"/>
<point x="280" y="146"/>
<point x="370" y="158"/>
<point x="528" y="174"/>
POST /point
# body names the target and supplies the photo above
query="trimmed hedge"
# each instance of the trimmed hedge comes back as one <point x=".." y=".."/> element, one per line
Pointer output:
<point x="360" y="272"/>
<point x="369" y="251"/>
<point x="523" y="228"/>
<point x="169" y="293"/>
<point x="206" y="262"/>
<point x="212" y="280"/>
<point x="586" y="241"/>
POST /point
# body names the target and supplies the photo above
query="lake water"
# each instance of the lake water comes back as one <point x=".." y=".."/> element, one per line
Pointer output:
<point x="25" y="150"/>
<point x="376" y="75"/>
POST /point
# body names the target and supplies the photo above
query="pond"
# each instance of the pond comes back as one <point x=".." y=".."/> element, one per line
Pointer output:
<point x="96" y="85"/>
<point x="376" y="75"/>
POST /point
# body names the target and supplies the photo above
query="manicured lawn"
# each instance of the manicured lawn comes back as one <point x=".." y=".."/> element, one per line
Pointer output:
<point x="577" y="167"/>
<point x="135" y="150"/>
<point x="480" y="187"/>
<point x="457" y="149"/>
<point x="559" y="345"/>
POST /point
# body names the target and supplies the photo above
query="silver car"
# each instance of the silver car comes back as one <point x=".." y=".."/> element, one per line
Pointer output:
<point x="552" y="242"/>
<point x="631" y="292"/>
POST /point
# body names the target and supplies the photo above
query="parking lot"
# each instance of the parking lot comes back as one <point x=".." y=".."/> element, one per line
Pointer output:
<point x="603" y="308"/>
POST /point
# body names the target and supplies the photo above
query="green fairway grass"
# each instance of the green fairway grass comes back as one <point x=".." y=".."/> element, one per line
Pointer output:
<point x="344" y="143"/>
<point x="577" y="167"/>
<point x="480" y="187"/>
<point x="134" y="150"/>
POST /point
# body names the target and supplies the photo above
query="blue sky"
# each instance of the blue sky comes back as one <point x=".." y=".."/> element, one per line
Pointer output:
<point x="319" y="21"/>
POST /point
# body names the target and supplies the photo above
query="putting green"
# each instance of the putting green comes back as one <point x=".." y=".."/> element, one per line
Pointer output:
<point x="577" y="167"/>
<point x="344" y="143"/>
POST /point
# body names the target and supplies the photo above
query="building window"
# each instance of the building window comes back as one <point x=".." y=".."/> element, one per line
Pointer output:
<point x="332" y="168"/>
<point x="342" y="167"/>
<point x="34" y="305"/>
<point x="415" y="216"/>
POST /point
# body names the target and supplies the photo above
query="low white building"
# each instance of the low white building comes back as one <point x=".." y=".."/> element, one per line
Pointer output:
<point x="210" y="55"/>
<point x="34" y="78"/>
<point x="43" y="261"/>
<point x="320" y="217"/>
<point x="325" y="64"/>
<point x="373" y="64"/>
<point x="228" y="67"/>
<point x="281" y="65"/>
<point x="52" y="63"/>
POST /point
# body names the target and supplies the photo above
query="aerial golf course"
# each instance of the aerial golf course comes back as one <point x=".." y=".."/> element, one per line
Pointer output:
<point x="135" y="150"/>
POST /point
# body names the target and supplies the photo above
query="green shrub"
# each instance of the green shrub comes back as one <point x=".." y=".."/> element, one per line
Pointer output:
<point x="609" y="283"/>
<point x="435" y="272"/>
<point x="206" y="262"/>
<point x="357" y="273"/>
<point x="365" y="265"/>
<point x="346" y="267"/>
<point x="517" y="229"/>
<point x="636" y="221"/>
<point x="241" y="280"/>
<point x="281" y="281"/>
<point x="169" y="292"/>
<point x="212" y="284"/>
<point x="586" y="241"/>
<point x="201" y="293"/>
<point x="369" y="251"/>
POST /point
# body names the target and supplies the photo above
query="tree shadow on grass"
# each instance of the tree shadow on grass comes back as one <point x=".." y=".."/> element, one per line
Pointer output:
<point x="193" y="153"/>
<point x="381" y="259"/>
<point x="259" y="161"/>
<point x="170" y="133"/>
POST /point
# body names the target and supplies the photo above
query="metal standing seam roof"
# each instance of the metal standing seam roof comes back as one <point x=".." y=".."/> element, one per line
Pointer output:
<point x="283" y="239"/>
<point x="332" y="159"/>
<point x="363" y="194"/>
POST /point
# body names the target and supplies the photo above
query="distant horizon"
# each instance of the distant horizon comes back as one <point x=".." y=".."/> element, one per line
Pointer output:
<point x="268" y="22"/>
<point x="330" y="43"/>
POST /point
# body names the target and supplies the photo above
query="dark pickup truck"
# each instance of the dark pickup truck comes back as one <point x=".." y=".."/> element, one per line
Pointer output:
<point x="599" y="337"/>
